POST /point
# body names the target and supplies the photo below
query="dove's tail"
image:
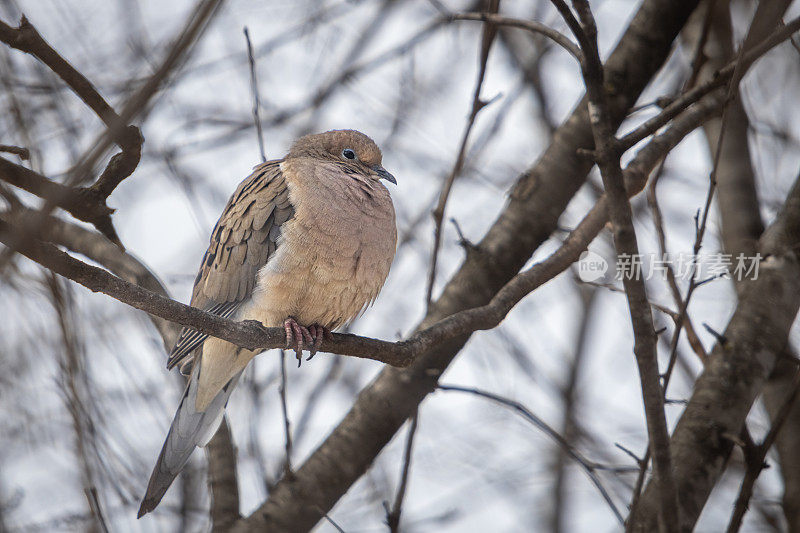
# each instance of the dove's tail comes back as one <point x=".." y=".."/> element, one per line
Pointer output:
<point x="190" y="428"/>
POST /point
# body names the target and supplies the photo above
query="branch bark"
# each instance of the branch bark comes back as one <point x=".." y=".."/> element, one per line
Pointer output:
<point x="787" y="441"/>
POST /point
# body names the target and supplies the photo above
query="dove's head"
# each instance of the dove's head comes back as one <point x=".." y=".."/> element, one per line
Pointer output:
<point x="353" y="150"/>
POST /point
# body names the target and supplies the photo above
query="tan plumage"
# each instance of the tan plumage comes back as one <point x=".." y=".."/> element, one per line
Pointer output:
<point x="244" y="238"/>
<point x="311" y="237"/>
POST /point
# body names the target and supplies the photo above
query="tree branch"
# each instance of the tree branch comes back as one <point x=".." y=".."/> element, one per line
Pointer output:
<point x="253" y="336"/>
<point x="222" y="480"/>
<point x="487" y="38"/>
<point x="756" y="462"/>
<point x="129" y="138"/>
<point x="78" y="202"/>
<point x="532" y="26"/>
<point x="608" y="160"/>
<point x="248" y="334"/>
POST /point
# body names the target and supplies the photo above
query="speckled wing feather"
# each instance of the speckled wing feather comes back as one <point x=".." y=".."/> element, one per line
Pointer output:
<point x="244" y="239"/>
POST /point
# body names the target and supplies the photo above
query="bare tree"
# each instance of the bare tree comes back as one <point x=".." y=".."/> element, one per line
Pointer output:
<point x="692" y="101"/>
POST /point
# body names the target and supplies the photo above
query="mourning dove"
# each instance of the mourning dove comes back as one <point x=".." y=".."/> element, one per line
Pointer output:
<point x="305" y="242"/>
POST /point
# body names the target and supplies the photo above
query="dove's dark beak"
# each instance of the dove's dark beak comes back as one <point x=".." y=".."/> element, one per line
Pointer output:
<point x="382" y="173"/>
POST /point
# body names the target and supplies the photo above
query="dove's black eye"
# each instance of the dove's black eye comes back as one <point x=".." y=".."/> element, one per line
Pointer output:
<point x="347" y="153"/>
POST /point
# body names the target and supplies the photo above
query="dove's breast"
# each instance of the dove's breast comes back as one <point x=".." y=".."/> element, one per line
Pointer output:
<point x="332" y="257"/>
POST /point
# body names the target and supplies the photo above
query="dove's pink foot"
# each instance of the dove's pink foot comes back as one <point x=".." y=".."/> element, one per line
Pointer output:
<point x="299" y="337"/>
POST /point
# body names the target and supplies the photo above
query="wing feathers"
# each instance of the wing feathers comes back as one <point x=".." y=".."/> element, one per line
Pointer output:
<point x="226" y="274"/>
<point x="244" y="239"/>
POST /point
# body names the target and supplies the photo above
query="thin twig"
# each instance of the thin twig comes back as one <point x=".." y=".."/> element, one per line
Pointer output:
<point x="287" y="466"/>
<point x="330" y="520"/>
<point x="393" y="514"/>
<point x="619" y="290"/>
<point x="532" y="26"/>
<point x="586" y="465"/>
<point x="254" y="89"/>
<point x="22" y="153"/>
<point x="487" y="37"/>
<point x="755" y="463"/>
<point x="658" y="221"/>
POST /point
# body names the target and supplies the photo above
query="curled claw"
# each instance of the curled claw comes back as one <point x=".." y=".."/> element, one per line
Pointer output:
<point x="297" y="337"/>
<point x="318" y="333"/>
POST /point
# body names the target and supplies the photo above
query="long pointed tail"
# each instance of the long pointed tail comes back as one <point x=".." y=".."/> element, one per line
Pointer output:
<point x="190" y="428"/>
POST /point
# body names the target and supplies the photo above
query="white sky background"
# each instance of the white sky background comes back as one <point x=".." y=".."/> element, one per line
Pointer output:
<point x="477" y="467"/>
